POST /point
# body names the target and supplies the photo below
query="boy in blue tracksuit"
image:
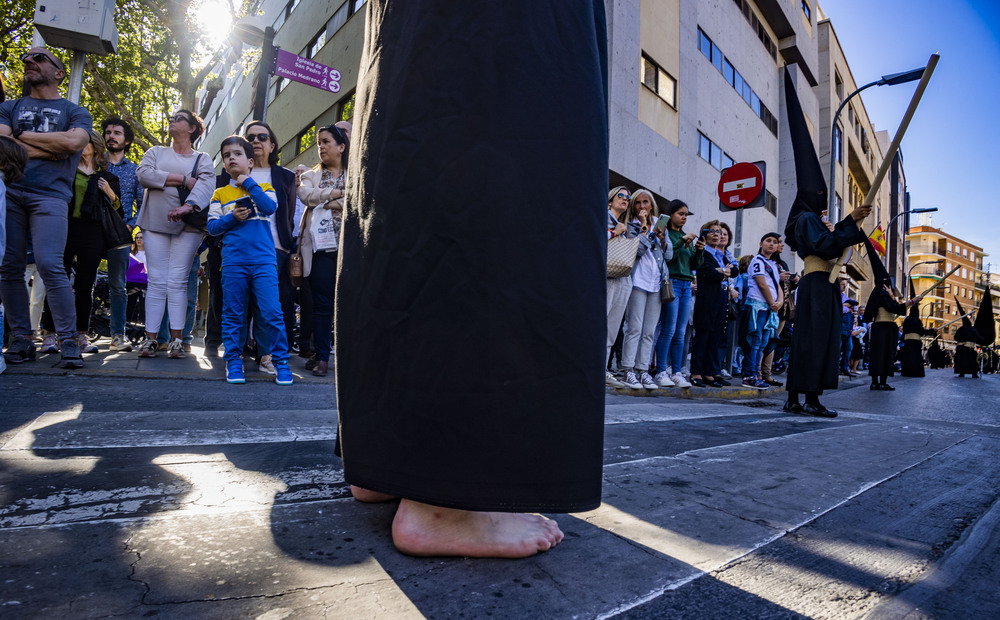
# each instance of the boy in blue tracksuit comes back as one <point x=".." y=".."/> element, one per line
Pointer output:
<point x="239" y="213"/>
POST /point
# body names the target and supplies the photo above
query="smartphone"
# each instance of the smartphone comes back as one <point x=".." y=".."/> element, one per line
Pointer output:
<point x="661" y="224"/>
<point x="704" y="234"/>
<point x="247" y="203"/>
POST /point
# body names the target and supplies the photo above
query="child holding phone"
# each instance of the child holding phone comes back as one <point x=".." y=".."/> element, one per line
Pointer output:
<point x="239" y="213"/>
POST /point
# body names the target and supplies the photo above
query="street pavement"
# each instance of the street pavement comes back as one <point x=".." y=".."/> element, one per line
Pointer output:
<point x="127" y="497"/>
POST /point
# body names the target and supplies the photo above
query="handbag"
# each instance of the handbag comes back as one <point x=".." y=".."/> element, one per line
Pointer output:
<point x="116" y="233"/>
<point x="667" y="290"/>
<point x="194" y="219"/>
<point x="621" y="255"/>
<point x="295" y="269"/>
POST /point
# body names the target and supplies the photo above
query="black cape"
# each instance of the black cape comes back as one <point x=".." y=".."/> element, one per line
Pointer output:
<point x="884" y="334"/>
<point x="966" y="358"/>
<point x="813" y="364"/>
<point x="911" y="358"/>
<point x="471" y="306"/>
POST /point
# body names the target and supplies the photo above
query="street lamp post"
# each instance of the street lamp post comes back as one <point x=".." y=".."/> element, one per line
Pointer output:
<point x="249" y="32"/>
<point x="911" y="211"/>
<point x="923" y="262"/>
<point x="885" y="80"/>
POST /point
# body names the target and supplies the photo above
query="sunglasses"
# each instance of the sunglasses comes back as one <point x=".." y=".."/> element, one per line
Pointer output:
<point x="336" y="131"/>
<point x="625" y="196"/>
<point x="258" y="137"/>
<point x="180" y="117"/>
<point x="37" y="57"/>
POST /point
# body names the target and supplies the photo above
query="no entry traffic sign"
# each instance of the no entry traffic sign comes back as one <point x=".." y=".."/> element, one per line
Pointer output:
<point x="741" y="185"/>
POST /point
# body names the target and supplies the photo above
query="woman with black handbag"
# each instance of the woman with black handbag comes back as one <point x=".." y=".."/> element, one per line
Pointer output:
<point x="95" y="198"/>
<point x="179" y="181"/>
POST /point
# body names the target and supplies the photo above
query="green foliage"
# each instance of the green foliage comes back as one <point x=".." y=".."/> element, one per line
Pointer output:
<point x="163" y="59"/>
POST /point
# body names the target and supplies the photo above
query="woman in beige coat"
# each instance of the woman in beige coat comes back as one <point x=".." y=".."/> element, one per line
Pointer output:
<point x="321" y="190"/>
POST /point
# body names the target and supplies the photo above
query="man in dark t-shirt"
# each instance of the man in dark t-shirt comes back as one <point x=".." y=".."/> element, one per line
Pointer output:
<point x="54" y="131"/>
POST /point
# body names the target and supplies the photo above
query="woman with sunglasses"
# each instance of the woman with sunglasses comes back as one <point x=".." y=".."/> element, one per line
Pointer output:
<point x="179" y="180"/>
<point x="322" y="191"/>
<point x="618" y="288"/>
<point x="709" y="309"/>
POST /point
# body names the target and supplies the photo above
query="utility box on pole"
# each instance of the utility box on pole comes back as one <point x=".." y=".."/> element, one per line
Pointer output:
<point x="84" y="25"/>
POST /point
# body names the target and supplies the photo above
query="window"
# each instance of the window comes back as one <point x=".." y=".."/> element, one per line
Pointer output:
<point x="727" y="161"/>
<point x="965" y="252"/>
<point x="316" y="44"/>
<point x="758" y="28"/>
<point x="838" y="152"/>
<point x="965" y="273"/>
<point x="839" y="85"/>
<point x="770" y="202"/>
<point x="306" y="139"/>
<point x="947" y="288"/>
<point x="709" y="151"/>
<point x="837" y="203"/>
<point x="347" y="108"/>
<point x="704" y="44"/>
<point x="755" y="103"/>
<point x="733" y="77"/>
<point x="950" y="247"/>
<point x="728" y="71"/>
<point x="356" y="4"/>
<point x="659" y="81"/>
<point x="806" y="11"/>
<point x="850" y="115"/>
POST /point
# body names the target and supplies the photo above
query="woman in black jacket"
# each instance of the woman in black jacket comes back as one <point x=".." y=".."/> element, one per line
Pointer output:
<point x="709" y="316"/>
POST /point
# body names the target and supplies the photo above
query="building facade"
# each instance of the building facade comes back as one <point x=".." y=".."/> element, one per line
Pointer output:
<point x="932" y="253"/>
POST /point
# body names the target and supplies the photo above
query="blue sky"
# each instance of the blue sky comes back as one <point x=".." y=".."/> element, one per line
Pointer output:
<point x="949" y="150"/>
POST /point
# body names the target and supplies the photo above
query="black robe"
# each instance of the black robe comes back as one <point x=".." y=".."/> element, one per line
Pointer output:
<point x="814" y="358"/>
<point x="884" y="334"/>
<point x="966" y="359"/>
<point x="911" y="357"/>
<point x="471" y="305"/>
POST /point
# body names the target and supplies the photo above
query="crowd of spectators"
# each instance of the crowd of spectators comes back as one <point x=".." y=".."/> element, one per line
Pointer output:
<point x="140" y="251"/>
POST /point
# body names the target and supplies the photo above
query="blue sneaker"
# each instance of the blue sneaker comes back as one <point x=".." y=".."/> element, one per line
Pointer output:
<point x="282" y="373"/>
<point x="234" y="372"/>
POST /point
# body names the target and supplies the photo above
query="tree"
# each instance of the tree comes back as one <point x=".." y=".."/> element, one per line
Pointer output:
<point x="164" y="58"/>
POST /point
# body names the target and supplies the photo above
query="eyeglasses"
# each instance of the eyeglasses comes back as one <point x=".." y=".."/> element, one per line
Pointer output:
<point x="180" y="117"/>
<point x="625" y="196"/>
<point x="258" y="137"/>
<point x="37" y="57"/>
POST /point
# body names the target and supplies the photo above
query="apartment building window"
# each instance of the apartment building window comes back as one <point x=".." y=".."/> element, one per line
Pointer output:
<point x="770" y="202"/>
<point x="356" y="5"/>
<point x="346" y="112"/>
<point x="950" y="247"/>
<point x="709" y="151"/>
<point x="838" y="85"/>
<point x="709" y="49"/>
<point x="806" y="10"/>
<point x="758" y="28"/>
<point x="727" y="161"/>
<point x="965" y="252"/>
<point x="317" y="43"/>
<point x="741" y="86"/>
<point x="656" y="79"/>
<point x="306" y="139"/>
<point x="837" y="204"/>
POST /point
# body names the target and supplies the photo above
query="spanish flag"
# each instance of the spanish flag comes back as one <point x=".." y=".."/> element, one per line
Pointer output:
<point x="878" y="240"/>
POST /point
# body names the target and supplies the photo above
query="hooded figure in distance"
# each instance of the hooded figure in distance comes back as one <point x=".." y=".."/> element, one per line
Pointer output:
<point x="911" y="357"/>
<point x="815" y="351"/>
<point x="881" y="311"/>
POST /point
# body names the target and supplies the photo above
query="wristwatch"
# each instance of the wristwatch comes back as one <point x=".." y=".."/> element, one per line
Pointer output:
<point x="16" y="132"/>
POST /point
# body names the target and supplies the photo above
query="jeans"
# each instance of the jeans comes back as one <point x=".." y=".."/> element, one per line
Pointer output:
<point x="84" y="246"/>
<point x="213" y="316"/>
<point x="323" y="282"/>
<point x="755" y="342"/>
<point x="674" y="318"/>
<point x="618" y="292"/>
<point x="237" y="281"/>
<point x="117" y="267"/>
<point x="164" y="334"/>
<point x="45" y="220"/>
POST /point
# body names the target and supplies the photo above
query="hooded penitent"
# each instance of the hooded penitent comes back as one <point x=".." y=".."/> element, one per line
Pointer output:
<point x="961" y="311"/>
<point x="985" y="324"/>
<point x="880" y="278"/>
<point x="915" y="308"/>
<point x="810" y="183"/>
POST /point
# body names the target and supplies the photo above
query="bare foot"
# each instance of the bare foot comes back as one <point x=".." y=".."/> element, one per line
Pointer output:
<point x="370" y="497"/>
<point x="425" y="530"/>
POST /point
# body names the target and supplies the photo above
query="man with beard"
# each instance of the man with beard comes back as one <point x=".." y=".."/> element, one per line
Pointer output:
<point x="54" y="131"/>
<point x="118" y="137"/>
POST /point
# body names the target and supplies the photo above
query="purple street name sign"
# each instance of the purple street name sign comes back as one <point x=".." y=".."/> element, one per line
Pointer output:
<point x="306" y="71"/>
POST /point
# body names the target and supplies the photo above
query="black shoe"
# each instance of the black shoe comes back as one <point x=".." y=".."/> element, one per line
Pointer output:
<point x="875" y="387"/>
<point x="791" y="407"/>
<point x="311" y="364"/>
<point x="19" y="350"/>
<point x="70" y="351"/>
<point x="697" y="382"/>
<point x="887" y="388"/>
<point x="716" y="383"/>
<point x="773" y="382"/>
<point x="818" y="410"/>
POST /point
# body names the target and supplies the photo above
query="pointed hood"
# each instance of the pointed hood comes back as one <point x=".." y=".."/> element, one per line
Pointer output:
<point x="965" y="317"/>
<point x="880" y="275"/>
<point x="810" y="194"/>
<point x="915" y="308"/>
<point x="985" y="324"/>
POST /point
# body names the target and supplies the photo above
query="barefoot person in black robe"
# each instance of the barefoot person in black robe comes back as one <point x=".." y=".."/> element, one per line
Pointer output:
<point x="813" y="364"/>
<point x="470" y="312"/>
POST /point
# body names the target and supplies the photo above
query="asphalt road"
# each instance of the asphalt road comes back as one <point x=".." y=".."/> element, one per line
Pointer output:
<point x="126" y="496"/>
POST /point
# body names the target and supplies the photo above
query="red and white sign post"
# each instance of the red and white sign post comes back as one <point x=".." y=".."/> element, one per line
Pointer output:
<point x="740" y="185"/>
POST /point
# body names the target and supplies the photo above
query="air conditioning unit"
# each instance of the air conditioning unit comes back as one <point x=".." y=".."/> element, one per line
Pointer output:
<point x="85" y="25"/>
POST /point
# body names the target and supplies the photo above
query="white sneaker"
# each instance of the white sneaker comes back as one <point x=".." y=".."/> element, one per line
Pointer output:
<point x="725" y="375"/>
<point x="119" y="343"/>
<point x="663" y="379"/>
<point x="147" y="348"/>
<point x="175" y="350"/>
<point x="612" y="381"/>
<point x="266" y="365"/>
<point x="679" y="380"/>
<point x="631" y="381"/>
<point x="647" y="381"/>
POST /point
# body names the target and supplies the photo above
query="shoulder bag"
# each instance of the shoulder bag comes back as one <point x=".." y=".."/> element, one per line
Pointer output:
<point x="194" y="219"/>
<point x="621" y="255"/>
